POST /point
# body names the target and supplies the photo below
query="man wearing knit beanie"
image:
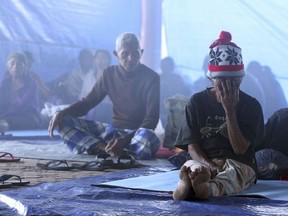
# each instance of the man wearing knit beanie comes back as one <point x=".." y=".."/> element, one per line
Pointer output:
<point x="221" y="127"/>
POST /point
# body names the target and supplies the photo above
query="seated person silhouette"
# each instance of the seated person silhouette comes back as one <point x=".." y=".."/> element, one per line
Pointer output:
<point x="273" y="93"/>
<point x="103" y="112"/>
<point x="19" y="95"/>
<point x="174" y="95"/>
<point x="171" y="84"/>
<point x="66" y="89"/>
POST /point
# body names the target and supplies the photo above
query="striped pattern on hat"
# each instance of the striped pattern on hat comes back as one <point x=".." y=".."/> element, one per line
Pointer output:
<point x="225" y="58"/>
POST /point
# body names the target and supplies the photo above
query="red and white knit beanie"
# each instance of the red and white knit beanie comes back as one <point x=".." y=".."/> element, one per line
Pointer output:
<point x="225" y="58"/>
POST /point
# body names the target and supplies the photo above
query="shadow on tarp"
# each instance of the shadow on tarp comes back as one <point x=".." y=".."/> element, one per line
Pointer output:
<point x="78" y="197"/>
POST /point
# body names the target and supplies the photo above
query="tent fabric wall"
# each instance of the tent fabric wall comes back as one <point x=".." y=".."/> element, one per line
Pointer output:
<point x="55" y="31"/>
<point x="258" y="27"/>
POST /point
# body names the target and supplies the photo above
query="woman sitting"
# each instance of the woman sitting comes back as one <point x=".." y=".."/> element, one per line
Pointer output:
<point x="19" y="95"/>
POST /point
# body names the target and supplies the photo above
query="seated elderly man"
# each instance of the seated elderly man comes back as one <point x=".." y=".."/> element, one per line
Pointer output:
<point x="134" y="91"/>
<point x="221" y="127"/>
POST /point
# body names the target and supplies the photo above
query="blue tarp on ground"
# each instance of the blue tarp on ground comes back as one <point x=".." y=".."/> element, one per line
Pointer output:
<point x="78" y="197"/>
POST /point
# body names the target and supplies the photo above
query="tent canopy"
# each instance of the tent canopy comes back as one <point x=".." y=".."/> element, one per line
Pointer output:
<point x="55" y="31"/>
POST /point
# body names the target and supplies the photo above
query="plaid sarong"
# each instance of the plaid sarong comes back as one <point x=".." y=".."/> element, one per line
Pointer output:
<point x="80" y="134"/>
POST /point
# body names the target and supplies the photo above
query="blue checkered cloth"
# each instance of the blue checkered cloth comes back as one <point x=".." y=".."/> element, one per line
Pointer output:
<point x="80" y="134"/>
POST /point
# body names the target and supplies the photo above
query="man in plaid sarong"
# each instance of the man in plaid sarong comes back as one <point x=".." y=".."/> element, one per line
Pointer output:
<point x="134" y="91"/>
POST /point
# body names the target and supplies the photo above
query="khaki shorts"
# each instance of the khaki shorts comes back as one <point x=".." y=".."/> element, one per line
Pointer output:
<point x="234" y="178"/>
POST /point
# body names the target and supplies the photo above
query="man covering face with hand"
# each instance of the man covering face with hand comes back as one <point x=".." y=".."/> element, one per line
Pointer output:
<point x="221" y="127"/>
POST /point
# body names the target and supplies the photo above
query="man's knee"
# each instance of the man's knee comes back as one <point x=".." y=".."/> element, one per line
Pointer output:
<point x="145" y="143"/>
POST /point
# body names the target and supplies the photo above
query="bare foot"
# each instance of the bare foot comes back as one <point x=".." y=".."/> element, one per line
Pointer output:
<point x="199" y="179"/>
<point x="184" y="186"/>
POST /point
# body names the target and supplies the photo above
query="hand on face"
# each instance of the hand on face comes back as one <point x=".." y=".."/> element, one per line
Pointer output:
<point x="228" y="92"/>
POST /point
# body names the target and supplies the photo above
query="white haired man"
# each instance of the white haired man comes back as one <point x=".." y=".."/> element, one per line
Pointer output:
<point x="134" y="90"/>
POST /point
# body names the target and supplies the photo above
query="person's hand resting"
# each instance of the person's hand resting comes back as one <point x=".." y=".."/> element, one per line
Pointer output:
<point x="54" y="122"/>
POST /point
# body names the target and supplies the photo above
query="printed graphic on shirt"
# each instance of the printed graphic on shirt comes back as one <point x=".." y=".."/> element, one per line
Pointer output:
<point x="214" y="126"/>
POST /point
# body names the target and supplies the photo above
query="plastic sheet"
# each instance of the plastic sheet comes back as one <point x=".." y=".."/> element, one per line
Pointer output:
<point x="55" y="31"/>
<point x="78" y="197"/>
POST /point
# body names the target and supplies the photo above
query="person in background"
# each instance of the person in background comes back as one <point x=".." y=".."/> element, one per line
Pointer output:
<point x="221" y="127"/>
<point x="43" y="89"/>
<point x="274" y="95"/>
<point x="19" y="95"/>
<point x="103" y="112"/>
<point x="134" y="90"/>
<point x="202" y="82"/>
<point x="272" y="153"/>
<point x="102" y="59"/>
<point x="174" y="95"/>
<point x="252" y="86"/>
<point x="67" y="88"/>
<point x="171" y="83"/>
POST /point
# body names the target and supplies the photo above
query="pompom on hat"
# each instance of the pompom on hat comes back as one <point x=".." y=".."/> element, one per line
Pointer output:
<point x="225" y="58"/>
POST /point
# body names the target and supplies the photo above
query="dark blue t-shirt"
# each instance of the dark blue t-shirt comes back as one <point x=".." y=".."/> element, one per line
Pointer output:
<point x="205" y="124"/>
